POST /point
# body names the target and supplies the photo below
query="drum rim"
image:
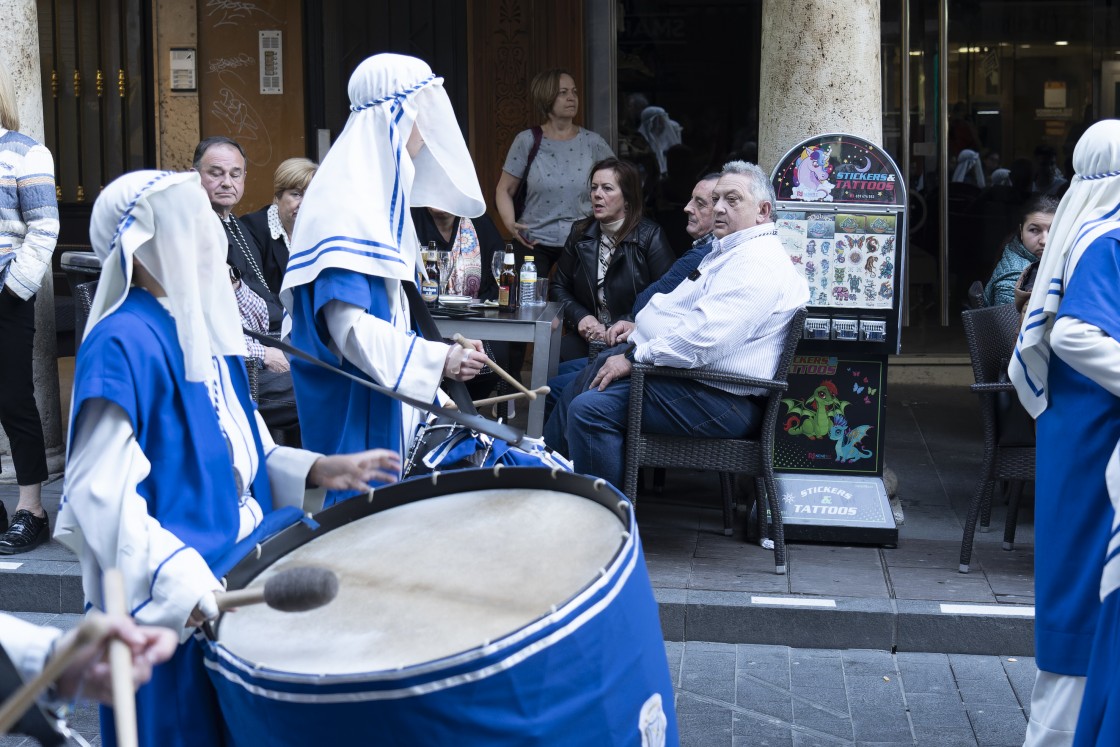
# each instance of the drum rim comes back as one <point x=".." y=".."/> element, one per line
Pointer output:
<point x="411" y="491"/>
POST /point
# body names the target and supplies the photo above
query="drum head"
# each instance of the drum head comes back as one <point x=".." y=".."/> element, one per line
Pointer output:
<point x="431" y="579"/>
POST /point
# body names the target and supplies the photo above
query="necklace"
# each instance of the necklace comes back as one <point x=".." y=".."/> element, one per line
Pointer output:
<point x="233" y="228"/>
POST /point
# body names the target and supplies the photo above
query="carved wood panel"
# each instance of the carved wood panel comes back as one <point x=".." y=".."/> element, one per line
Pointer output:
<point x="509" y="42"/>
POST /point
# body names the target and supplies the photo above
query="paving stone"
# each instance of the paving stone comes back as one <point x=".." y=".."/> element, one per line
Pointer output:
<point x="709" y="672"/>
<point x="673" y="652"/>
<point x="933" y="712"/>
<point x="926" y="673"/>
<point x="1021" y="674"/>
<point x="868" y="662"/>
<point x="998" y="726"/>
<point x="811" y="716"/>
<point x="812" y="672"/>
<point x="764" y="736"/>
<point x="940" y="584"/>
<point x="702" y="724"/>
<point x="880" y="723"/>
<point x="768" y="704"/>
<point x="768" y="664"/>
<point x="923" y="553"/>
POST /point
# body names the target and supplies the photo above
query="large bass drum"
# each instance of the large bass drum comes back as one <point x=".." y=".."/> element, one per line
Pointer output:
<point x="481" y="607"/>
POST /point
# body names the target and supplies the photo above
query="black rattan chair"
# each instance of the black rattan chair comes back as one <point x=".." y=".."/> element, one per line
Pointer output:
<point x="976" y="295"/>
<point x="724" y="455"/>
<point x="1008" y="430"/>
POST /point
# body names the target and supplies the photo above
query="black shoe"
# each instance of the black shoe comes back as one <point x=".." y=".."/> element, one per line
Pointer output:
<point x="3" y="518"/>
<point x="27" y="532"/>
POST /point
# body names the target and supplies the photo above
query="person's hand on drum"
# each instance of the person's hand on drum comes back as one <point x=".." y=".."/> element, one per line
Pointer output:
<point x="619" y="332"/>
<point x="355" y="471"/>
<point x="463" y="364"/>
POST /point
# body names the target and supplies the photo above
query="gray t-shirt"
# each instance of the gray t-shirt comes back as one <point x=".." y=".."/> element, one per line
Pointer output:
<point x="557" y="194"/>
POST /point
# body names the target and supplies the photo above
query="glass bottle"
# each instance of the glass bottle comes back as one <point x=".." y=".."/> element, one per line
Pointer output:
<point x="429" y="287"/>
<point x="507" y="285"/>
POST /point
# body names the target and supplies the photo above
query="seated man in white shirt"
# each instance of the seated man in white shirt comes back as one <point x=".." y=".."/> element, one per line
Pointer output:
<point x="729" y="316"/>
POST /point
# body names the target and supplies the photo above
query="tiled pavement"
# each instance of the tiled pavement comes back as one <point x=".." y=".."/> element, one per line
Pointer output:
<point x="885" y="600"/>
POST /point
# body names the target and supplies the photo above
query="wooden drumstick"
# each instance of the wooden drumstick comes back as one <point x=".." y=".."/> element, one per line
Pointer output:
<point x="506" y="397"/>
<point x="496" y="368"/>
<point x="293" y="590"/>
<point x="120" y="663"/>
<point x="92" y="630"/>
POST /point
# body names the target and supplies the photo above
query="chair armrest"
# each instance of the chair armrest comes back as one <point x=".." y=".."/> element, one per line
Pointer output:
<point x="992" y="386"/>
<point x="642" y="369"/>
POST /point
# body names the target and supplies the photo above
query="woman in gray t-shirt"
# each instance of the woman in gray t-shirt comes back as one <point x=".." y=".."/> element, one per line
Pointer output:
<point x="556" y="194"/>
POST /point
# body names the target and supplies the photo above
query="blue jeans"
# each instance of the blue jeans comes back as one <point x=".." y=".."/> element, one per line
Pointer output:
<point x="595" y="424"/>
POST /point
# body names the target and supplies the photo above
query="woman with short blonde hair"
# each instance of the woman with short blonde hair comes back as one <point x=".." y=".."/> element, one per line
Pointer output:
<point x="272" y="226"/>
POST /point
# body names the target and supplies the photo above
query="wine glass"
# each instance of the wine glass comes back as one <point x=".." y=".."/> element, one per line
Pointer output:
<point x="496" y="263"/>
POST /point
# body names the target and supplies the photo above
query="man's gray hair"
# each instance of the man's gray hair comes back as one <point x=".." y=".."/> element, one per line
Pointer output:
<point x="758" y="184"/>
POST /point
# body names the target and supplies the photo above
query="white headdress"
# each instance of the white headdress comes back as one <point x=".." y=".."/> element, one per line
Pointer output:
<point x="164" y="221"/>
<point x="1089" y="209"/>
<point x="355" y="214"/>
<point x="660" y="132"/>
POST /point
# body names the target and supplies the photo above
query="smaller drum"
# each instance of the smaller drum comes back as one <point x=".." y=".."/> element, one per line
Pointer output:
<point x="474" y="608"/>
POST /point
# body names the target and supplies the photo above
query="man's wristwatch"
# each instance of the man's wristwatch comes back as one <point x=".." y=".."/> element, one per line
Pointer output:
<point x="629" y="354"/>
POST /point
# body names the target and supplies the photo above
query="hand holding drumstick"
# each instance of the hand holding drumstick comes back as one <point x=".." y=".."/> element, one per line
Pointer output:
<point x="515" y="383"/>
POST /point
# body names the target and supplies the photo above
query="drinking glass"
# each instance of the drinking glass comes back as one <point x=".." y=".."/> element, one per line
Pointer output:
<point x="496" y="265"/>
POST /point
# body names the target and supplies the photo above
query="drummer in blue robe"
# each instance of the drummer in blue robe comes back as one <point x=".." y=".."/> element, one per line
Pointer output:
<point x="171" y="475"/>
<point x="1066" y="369"/>
<point x="353" y="248"/>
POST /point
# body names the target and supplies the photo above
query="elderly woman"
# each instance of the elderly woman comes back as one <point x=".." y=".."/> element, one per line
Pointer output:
<point x="1066" y="370"/>
<point x="608" y="258"/>
<point x="171" y="475"/>
<point x="349" y="286"/>
<point x="272" y="226"/>
<point x="554" y="160"/>
<point x="29" y="232"/>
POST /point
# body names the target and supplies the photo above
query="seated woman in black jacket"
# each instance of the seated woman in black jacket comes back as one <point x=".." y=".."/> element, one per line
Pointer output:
<point x="608" y="258"/>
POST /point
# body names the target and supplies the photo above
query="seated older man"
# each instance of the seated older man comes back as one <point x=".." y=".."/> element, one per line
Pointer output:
<point x="729" y="316"/>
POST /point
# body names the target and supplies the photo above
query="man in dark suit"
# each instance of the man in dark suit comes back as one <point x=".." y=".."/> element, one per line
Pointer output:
<point x="221" y="163"/>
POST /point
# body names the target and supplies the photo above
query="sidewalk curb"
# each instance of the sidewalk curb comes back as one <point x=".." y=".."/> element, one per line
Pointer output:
<point x="884" y="624"/>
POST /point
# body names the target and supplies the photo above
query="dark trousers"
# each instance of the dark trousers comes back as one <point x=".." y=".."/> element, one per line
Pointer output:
<point x="19" y="416"/>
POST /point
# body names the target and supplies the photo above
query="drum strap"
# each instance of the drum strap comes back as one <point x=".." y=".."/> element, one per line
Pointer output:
<point x="470" y="419"/>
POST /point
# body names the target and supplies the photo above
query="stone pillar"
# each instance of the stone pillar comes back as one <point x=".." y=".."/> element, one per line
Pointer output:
<point x="19" y="51"/>
<point x="821" y="72"/>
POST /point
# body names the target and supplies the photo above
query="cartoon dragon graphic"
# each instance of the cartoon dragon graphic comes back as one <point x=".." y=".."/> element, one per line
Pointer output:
<point x="848" y="440"/>
<point x="812" y="417"/>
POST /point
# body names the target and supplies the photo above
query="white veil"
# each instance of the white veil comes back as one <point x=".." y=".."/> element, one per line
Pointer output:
<point x="164" y="221"/>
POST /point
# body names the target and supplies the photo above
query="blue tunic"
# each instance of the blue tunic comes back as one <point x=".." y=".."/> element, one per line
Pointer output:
<point x="132" y="358"/>
<point x="1073" y="515"/>
<point x="1098" y="724"/>
<point x="336" y="415"/>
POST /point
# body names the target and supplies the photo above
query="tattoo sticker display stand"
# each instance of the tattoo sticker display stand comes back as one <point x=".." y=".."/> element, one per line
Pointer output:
<point x="841" y="216"/>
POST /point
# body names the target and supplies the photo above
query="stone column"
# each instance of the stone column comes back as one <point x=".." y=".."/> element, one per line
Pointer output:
<point x="19" y="51"/>
<point x="821" y="72"/>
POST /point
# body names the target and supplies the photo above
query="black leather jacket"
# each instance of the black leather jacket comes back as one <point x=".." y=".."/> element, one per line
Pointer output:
<point x="640" y="259"/>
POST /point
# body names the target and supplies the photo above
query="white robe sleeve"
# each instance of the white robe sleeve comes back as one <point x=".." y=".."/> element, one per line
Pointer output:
<point x="1089" y="351"/>
<point x="287" y="470"/>
<point x="405" y="363"/>
<point x="106" y="521"/>
<point x="26" y="644"/>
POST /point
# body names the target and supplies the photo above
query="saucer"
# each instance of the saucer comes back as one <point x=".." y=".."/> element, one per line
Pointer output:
<point x="458" y="301"/>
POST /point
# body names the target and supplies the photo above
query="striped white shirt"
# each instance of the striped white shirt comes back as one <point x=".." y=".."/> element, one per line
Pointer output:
<point x="28" y="211"/>
<point x="730" y="315"/>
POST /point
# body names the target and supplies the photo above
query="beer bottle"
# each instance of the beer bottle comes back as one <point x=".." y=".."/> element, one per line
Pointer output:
<point x="429" y="288"/>
<point x="507" y="285"/>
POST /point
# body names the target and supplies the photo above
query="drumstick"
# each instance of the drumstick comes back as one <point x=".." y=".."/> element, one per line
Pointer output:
<point x="496" y="368"/>
<point x="293" y="590"/>
<point x="92" y="630"/>
<point x="120" y="663"/>
<point x="506" y="397"/>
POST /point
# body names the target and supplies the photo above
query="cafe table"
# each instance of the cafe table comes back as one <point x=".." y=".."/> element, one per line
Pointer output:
<point x="536" y="324"/>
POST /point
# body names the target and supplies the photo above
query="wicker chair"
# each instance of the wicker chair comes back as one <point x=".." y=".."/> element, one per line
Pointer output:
<point x="724" y="455"/>
<point x="1008" y="432"/>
